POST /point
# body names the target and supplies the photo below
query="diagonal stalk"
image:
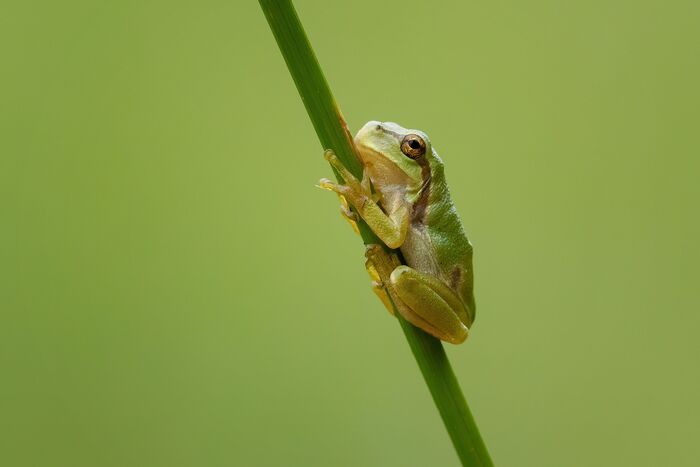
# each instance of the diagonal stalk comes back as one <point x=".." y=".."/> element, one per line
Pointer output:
<point x="333" y="133"/>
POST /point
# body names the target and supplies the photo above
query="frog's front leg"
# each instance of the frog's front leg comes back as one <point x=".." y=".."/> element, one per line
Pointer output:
<point x="390" y="229"/>
<point x="424" y="300"/>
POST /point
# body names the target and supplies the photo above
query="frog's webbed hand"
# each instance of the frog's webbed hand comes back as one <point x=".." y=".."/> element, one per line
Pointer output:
<point x="422" y="299"/>
<point x="390" y="229"/>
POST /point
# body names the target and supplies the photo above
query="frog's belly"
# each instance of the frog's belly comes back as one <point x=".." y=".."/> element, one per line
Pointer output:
<point x="419" y="252"/>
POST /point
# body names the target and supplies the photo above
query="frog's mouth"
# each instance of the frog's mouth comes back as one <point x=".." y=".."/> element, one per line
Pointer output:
<point x="382" y="170"/>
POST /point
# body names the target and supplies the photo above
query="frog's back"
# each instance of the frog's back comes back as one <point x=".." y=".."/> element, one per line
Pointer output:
<point x="436" y="242"/>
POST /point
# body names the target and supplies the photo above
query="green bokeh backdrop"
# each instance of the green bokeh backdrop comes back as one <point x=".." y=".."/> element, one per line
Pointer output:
<point x="174" y="291"/>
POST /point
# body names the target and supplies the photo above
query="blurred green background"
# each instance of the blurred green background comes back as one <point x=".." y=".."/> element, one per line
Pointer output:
<point x="174" y="291"/>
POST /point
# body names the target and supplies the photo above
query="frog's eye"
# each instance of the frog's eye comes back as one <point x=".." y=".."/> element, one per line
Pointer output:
<point x="413" y="146"/>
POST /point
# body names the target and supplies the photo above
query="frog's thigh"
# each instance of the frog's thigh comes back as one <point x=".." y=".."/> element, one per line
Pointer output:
<point x="433" y="302"/>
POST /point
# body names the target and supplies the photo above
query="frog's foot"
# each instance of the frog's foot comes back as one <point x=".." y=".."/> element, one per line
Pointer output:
<point x="423" y="300"/>
<point x="378" y="286"/>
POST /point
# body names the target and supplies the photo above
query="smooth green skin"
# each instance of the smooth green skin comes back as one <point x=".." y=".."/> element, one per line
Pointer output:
<point x="412" y="211"/>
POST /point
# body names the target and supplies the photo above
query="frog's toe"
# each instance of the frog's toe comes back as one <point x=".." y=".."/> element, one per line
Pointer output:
<point x="326" y="184"/>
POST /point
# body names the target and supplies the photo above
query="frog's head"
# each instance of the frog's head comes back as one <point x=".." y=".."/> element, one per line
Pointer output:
<point x="394" y="155"/>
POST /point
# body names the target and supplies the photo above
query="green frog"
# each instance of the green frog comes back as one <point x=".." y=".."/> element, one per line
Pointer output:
<point x="404" y="198"/>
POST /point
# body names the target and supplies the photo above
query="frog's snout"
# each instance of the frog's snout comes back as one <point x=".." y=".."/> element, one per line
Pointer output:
<point x="368" y="133"/>
<point x="372" y="126"/>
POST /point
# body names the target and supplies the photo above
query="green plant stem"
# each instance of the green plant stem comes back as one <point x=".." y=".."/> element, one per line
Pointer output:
<point x="333" y="133"/>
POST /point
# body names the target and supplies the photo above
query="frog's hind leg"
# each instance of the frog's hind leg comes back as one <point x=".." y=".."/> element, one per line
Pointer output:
<point x="430" y="300"/>
<point x="421" y="299"/>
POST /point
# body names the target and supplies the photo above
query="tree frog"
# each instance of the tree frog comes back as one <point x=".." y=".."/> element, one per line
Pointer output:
<point x="403" y="197"/>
